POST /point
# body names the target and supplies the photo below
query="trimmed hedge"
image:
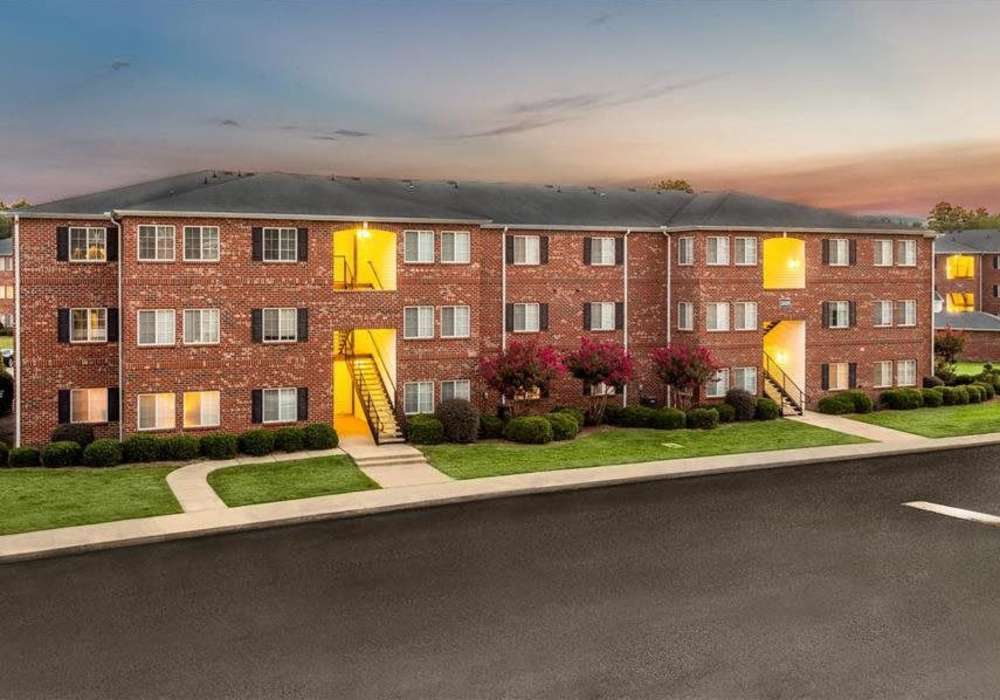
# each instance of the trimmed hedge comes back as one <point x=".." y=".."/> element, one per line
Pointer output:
<point x="743" y="403"/>
<point x="141" y="448"/>
<point x="256" y="442"/>
<point x="862" y="402"/>
<point x="931" y="382"/>
<point x="103" y="453"/>
<point x="901" y="399"/>
<point x="977" y="394"/>
<point x="61" y="454"/>
<point x="988" y="391"/>
<point x="961" y="380"/>
<point x="321" y="436"/>
<point x="613" y="415"/>
<point x="564" y="425"/>
<point x="289" y="439"/>
<point x="490" y="427"/>
<point x="532" y="430"/>
<point x="835" y="405"/>
<point x="702" y="418"/>
<point x="79" y="433"/>
<point x="180" y="448"/>
<point x="932" y="397"/>
<point x="460" y="420"/>
<point x="635" y="417"/>
<point x="424" y="429"/>
<point x="668" y="419"/>
<point x="581" y="418"/>
<point x="219" y="446"/>
<point x="727" y="413"/>
<point x="767" y="409"/>
<point x="954" y="396"/>
<point x="24" y="457"/>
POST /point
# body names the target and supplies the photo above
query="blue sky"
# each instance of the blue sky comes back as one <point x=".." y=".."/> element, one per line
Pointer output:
<point x="867" y="106"/>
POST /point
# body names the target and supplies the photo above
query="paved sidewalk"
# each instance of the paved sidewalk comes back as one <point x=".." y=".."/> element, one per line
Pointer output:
<point x="857" y="428"/>
<point x="394" y="465"/>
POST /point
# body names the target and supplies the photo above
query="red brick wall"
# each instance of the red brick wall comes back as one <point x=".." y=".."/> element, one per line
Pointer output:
<point x="982" y="346"/>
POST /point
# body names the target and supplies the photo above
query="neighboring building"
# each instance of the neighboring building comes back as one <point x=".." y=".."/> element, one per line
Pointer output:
<point x="967" y="289"/>
<point x="231" y="300"/>
<point x="7" y="283"/>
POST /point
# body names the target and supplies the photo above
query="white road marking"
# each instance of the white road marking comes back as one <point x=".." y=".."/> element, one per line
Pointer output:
<point x="961" y="513"/>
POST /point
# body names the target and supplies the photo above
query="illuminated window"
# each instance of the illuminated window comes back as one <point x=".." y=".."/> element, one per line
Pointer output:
<point x="960" y="267"/>
<point x="959" y="302"/>
<point x="156" y="411"/>
<point x="88" y="325"/>
<point x="88" y="406"/>
<point x="201" y="409"/>
<point x="88" y="244"/>
<point x="784" y="263"/>
<point x="840" y="376"/>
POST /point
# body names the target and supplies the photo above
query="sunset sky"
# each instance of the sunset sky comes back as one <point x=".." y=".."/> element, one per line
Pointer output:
<point x="872" y="107"/>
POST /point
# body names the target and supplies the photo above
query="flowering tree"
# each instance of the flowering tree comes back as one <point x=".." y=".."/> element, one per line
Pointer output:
<point x="521" y="369"/>
<point x="684" y="368"/>
<point x="599" y="363"/>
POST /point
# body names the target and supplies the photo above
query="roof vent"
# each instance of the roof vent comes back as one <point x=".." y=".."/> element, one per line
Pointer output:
<point x="356" y="179"/>
<point x="453" y="183"/>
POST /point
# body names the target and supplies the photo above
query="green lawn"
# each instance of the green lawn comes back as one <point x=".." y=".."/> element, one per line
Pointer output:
<point x="6" y="342"/>
<point x="607" y="446"/>
<point x="247" y="484"/>
<point x="38" y="499"/>
<point x="946" y="421"/>
<point x="970" y="368"/>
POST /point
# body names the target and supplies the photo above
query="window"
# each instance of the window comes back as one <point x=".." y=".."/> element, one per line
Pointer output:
<point x="883" y="374"/>
<point x="156" y="412"/>
<point x="840" y="375"/>
<point x="281" y="244"/>
<point x="88" y="406"/>
<point x="907" y="313"/>
<point x="201" y="243"/>
<point x="88" y="325"/>
<point x="526" y="318"/>
<point x="454" y="247"/>
<point x="685" y="251"/>
<point x="882" y="314"/>
<point x="883" y="253"/>
<point x="839" y="314"/>
<point x="839" y="251"/>
<point x="717" y="250"/>
<point x="280" y="325"/>
<point x="156" y="327"/>
<point x="602" y="251"/>
<point x="456" y="389"/>
<point x="960" y="267"/>
<point x="959" y="302"/>
<point x="906" y="373"/>
<point x="418" y="397"/>
<point x="87" y="244"/>
<point x="156" y="243"/>
<point x="745" y="251"/>
<point x="7" y="263"/>
<point x="526" y="250"/>
<point x="717" y="316"/>
<point x="201" y="326"/>
<point x="201" y="409"/>
<point x="685" y="316"/>
<point x="745" y="378"/>
<point x="280" y="405"/>
<point x="418" y="322"/>
<point x="418" y="246"/>
<point x="906" y="253"/>
<point x="602" y="316"/>
<point x="454" y="322"/>
<point x="718" y="385"/>
<point x="10" y="291"/>
<point x="745" y="315"/>
<point x="996" y="291"/>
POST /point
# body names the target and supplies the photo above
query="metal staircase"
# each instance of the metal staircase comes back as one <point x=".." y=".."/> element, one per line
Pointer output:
<point x="369" y="375"/>
<point x="780" y="387"/>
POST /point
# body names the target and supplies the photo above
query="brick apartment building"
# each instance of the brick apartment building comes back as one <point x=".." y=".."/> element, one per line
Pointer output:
<point x="967" y="289"/>
<point x="217" y="301"/>
<point x="7" y="283"/>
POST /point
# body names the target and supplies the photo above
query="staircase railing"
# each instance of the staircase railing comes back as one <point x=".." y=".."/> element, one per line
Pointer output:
<point x="789" y="388"/>
<point x="378" y="281"/>
<point x="367" y="403"/>
<point x="384" y="369"/>
<point x="349" y="279"/>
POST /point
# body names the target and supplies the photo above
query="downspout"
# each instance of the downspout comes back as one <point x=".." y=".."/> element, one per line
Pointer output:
<point x="17" y="330"/>
<point x="933" y="293"/>
<point x="625" y="307"/>
<point x="670" y="302"/>
<point x="121" y="339"/>
<point x="503" y="298"/>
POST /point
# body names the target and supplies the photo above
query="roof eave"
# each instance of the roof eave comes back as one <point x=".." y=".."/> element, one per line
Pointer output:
<point x="803" y="229"/>
<point x="295" y="217"/>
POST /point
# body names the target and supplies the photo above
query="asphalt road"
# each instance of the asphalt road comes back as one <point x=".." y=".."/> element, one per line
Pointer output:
<point x="805" y="582"/>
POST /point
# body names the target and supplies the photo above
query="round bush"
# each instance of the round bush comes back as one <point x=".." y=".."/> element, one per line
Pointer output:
<point x="949" y="395"/>
<point x="613" y="415"/>
<point x="490" y="427"/>
<point x="931" y="382"/>
<point x="987" y="390"/>
<point x="533" y="430"/>
<point x="61" y="454"/>
<point x="424" y="429"/>
<point x="103" y="453"/>
<point x="961" y="380"/>
<point x="180" y="448"/>
<point x="767" y="409"/>
<point x="321" y="436"/>
<point x="976" y="394"/>
<point x="141" y="448"/>
<point x="704" y="418"/>
<point x="727" y="414"/>
<point x="961" y="395"/>
<point x="835" y="405"/>
<point x="24" y="457"/>
<point x="564" y="426"/>
<point x="219" y="446"/>
<point x="79" y="433"/>
<point x="637" y="417"/>
<point x="901" y="399"/>
<point x="581" y="418"/>
<point x="743" y="402"/>
<point x="668" y="419"/>
<point x="460" y="420"/>
<point x="289" y="439"/>
<point x="862" y="402"/>
<point x="256" y="442"/>
<point x="932" y="397"/>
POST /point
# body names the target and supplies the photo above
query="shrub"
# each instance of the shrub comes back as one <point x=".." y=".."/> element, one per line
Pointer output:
<point x="987" y="389"/>
<point x="931" y="382"/>
<point x="961" y="395"/>
<point x="862" y="402"/>
<point x="490" y="427"/>
<point x="141" y="448"/>
<point x="6" y="393"/>
<point x="932" y="397"/>
<point x="950" y="395"/>
<point x="532" y="430"/>
<point x="637" y="417"/>
<point x="61" y="454"/>
<point x="4" y="454"/>
<point x="668" y="419"/>
<point x="460" y="420"/>
<point x="321" y="436"/>
<point x="24" y="457"/>
<point x="564" y="426"/>
<point x="103" y="453"/>
<point x="727" y="413"/>
<point x="961" y="380"/>
<point x="79" y="433"/>
<point x="901" y="399"/>
<point x="767" y="409"/>
<point x="289" y="439"/>
<point x="219" y="446"/>
<point x="704" y="418"/>
<point x="424" y="429"/>
<point x="613" y="415"/>
<point x="257" y="442"/>
<point x="976" y="394"/>
<point x="743" y="402"/>
<point x="581" y="417"/>
<point x="835" y="404"/>
<point x="180" y="448"/>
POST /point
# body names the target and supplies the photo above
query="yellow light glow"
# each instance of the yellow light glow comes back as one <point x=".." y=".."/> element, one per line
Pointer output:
<point x="364" y="233"/>
<point x="781" y="357"/>
<point x="784" y="263"/>
<point x="960" y="267"/>
<point x="793" y="264"/>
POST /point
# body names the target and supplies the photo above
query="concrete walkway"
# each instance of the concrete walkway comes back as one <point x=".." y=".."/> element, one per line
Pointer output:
<point x="858" y="428"/>
<point x="394" y="465"/>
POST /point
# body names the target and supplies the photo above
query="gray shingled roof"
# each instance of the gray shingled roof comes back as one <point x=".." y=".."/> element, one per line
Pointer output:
<point x="972" y="241"/>
<point x="967" y="321"/>
<point x="499" y="203"/>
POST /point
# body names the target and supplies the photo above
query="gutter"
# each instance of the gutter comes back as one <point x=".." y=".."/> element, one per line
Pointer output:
<point x="119" y="213"/>
<point x="17" y="330"/>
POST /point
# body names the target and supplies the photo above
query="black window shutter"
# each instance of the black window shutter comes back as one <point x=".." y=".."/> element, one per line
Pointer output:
<point x="62" y="243"/>
<point x="619" y="251"/>
<point x="543" y="317"/>
<point x="111" y="237"/>
<point x="852" y="375"/>
<point x="543" y="246"/>
<point x="824" y="371"/>
<point x="257" y="243"/>
<point x="303" y="244"/>
<point x="852" y="313"/>
<point x="303" y="403"/>
<point x="545" y="392"/>
<point x="63" y="325"/>
<point x="509" y="249"/>
<point x="586" y="316"/>
<point x="826" y="314"/>
<point x="619" y="315"/>
<point x="303" y="325"/>
<point x="586" y="389"/>
<point x="112" y="325"/>
<point x="996" y="262"/>
<point x="257" y="325"/>
<point x="586" y="250"/>
<point x="852" y="252"/>
<point x="256" y="406"/>
<point x="114" y="400"/>
<point x="63" y="406"/>
<point x="826" y="251"/>
<point x="509" y="317"/>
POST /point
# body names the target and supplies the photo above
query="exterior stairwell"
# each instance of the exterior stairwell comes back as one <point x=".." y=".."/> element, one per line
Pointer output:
<point x="376" y="401"/>
<point x="778" y="386"/>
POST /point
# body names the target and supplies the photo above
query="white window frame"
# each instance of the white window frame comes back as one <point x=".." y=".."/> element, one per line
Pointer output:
<point x="465" y="393"/>
<point x="749" y="245"/>
<point x="882" y="371"/>
<point x="909" y="313"/>
<point x="425" y="253"/>
<point x="456" y="309"/>
<point x="201" y="409"/>
<point x="688" y="318"/>
<point x="421" y="407"/>
<point x="836" y="247"/>
<point x="170" y="417"/>
<point x="719" y="254"/>
<point x="881" y="247"/>
<point x="846" y="316"/>
<point x="157" y="313"/>
<point x="530" y="254"/>
<point x="599" y="245"/>
<point x="281" y="232"/>
<point x="524" y="317"/>
<point x="718" y="306"/>
<point x="882" y="304"/>
<point x="599" y="312"/>
<point x="743" y="373"/>
<point x="747" y="306"/>
<point x="282" y="394"/>
<point x="425" y="320"/>
<point x="717" y="387"/>
<point x="159" y="231"/>
<point x="685" y="251"/>
<point x="901" y="378"/>
<point x="202" y="230"/>
<point x="201" y="326"/>
<point x="91" y="334"/>
<point x="834" y="376"/>
<point x="283" y="313"/>
<point x="455" y="237"/>
<point x="91" y="396"/>
<point x="88" y="232"/>
<point x="909" y="257"/>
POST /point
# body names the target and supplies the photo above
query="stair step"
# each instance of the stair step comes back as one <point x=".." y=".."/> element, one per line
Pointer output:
<point x="386" y="459"/>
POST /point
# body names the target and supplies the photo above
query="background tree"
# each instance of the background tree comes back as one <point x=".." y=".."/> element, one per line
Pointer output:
<point x="6" y="225"/>
<point x="685" y="369"/>
<point x="947" y="217"/>
<point x="949" y="345"/>
<point x="599" y="363"/>
<point x="679" y="185"/>
<point x="521" y="369"/>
